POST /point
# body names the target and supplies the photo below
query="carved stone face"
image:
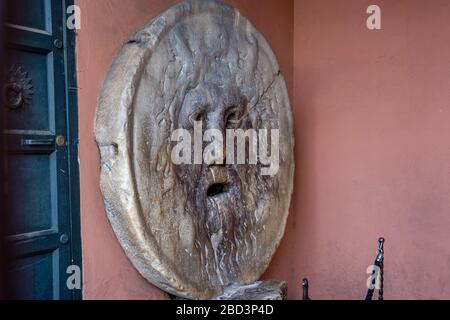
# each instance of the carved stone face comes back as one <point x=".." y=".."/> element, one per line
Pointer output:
<point x="193" y="229"/>
<point x="220" y="197"/>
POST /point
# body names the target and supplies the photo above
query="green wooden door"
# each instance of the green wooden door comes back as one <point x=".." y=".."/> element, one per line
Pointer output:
<point x="39" y="95"/>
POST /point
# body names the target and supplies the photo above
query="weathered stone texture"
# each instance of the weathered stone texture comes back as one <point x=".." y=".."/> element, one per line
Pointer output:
<point x="260" y="290"/>
<point x="200" y="60"/>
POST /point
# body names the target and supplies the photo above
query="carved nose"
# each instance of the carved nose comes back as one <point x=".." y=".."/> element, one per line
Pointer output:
<point x="215" y="120"/>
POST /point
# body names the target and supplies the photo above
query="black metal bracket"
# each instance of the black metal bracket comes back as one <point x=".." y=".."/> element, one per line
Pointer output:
<point x="379" y="264"/>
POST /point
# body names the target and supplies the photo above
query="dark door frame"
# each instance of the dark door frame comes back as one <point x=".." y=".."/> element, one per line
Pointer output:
<point x="72" y="139"/>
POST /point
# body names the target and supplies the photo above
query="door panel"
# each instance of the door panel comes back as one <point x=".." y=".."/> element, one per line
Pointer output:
<point x="30" y="13"/>
<point x="38" y="270"/>
<point x="32" y="68"/>
<point x="34" y="181"/>
<point x="40" y="147"/>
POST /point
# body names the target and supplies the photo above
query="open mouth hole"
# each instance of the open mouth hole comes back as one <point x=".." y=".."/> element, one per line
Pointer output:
<point x="216" y="189"/>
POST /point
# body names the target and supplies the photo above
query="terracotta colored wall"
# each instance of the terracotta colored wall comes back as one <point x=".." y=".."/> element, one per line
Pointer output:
<point x="372" y="119"/>
<point x="105" y="26"/>
<point x="372" y="151"/>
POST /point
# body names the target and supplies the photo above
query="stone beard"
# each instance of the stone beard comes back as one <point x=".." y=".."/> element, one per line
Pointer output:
<point x="193" y="229"/>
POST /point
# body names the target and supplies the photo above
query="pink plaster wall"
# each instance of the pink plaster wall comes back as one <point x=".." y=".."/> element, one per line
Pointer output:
<point x="372" y="151"/>
<point x="372" y="117"/>
<point x="106" y="24"/>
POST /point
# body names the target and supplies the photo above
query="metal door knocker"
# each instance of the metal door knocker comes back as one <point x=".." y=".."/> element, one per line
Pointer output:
<point x="18" y="88"/>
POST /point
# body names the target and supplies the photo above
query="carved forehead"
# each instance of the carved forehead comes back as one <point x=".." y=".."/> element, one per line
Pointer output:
<point x="212" y="52"/>
<point x="201" y="38"/>
<point x="213" y="64"/>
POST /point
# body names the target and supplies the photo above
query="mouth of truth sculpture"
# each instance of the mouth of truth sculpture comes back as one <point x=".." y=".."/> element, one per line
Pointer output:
<point x="194" y="229"/>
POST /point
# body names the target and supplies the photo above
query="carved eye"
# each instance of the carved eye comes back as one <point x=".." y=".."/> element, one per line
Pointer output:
<point x="197" y="116"/>
<point x="232" y="119"/>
